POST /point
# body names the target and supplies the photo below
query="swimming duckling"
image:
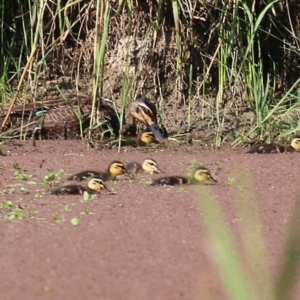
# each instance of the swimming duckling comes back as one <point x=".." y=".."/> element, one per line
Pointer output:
<point x="170" y="180"/>
<point x="94" y="185"/>
<point x="114" y="169"/>
<point x="201" y="175"/>
<point x="144" y="111"/>
<point x="275" y="148"/>
<point x="148" y="166"/>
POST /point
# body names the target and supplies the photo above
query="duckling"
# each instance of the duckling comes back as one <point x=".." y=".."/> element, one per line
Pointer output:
<point x="114" y="169"/>
<point x="144" y="111"/>
<point x="144" y="139"/>
<point x="169" y="180"/>
<point x="94" y="185"/>
<point x="148" y="166"/>
<point x="275" y="148"/>
<point x="201" y="175"/>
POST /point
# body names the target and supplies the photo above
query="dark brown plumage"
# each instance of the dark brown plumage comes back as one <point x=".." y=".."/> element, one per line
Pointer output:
<point x="144" y="111"/>
<point x="201" y="175"/>
<point x="275" y="148"/>
<point x="114" y="169"/>
<point x="170" y="180"/>
<point x="94" y="185"/>
<point x="56" y="117"/>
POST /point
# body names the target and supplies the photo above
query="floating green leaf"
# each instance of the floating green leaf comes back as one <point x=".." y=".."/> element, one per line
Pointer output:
<point x="75" y="221"/>
<point x="86" y="196"/>
<point x="31" y="182"/>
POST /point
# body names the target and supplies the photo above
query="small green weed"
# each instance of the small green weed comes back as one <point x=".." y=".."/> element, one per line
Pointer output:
<point x="6" y="205"/>
<point x="7" y="190"/>
<point x="33" y="214"/>
<point x="16" y="166"/>
<point x="88" y="197"/>
<point x="15" y="214"/>
<point x="195" y="164"/>
<point x="149" y="181"/>
<point x="38" y="193"/>
<point x="23" y="191"/>
<point x="56" y="218"/>
<point x="230" y="180"/>
<point x="87" y="212"/>
<point x="131" y="180"/>
<point x="31" y="182"/>
<point x="53" y="177"/>
<point x="67" y="207"/>
<point x="20" y="175"/>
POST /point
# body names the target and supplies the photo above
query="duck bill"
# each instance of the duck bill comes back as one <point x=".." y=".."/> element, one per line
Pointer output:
<point x="107" y="189"/>
<point x="212" y="179"/>
<point x="158" y="170"/>
<point x="154" y="128"/>
<point x="126" y="173"/>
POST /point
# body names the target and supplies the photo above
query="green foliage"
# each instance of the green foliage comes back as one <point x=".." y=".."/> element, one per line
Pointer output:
<point x="67" y="207"/>
<point x="88" y="197"/>
<point x="87" y="212"/>
<point x="15" y="214"/>
<point x="20" y="175"/>
<point x="23" y="190"/>
<point x="12" y="213"/>
<point x="57" y="219"/>
<point x="53" y="177"/>
<point x="6" y="205"/>
<point x="199" y="55"/>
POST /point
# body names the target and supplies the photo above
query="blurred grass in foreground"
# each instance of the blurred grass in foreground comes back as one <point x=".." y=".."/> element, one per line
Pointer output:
<point x="244" y="270"/>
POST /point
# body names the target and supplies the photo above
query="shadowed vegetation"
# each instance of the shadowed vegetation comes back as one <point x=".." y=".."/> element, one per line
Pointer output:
<point x="224" y="71"/>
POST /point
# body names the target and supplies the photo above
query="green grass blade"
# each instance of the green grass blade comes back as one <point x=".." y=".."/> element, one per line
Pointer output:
<point x="223" y="250"/>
